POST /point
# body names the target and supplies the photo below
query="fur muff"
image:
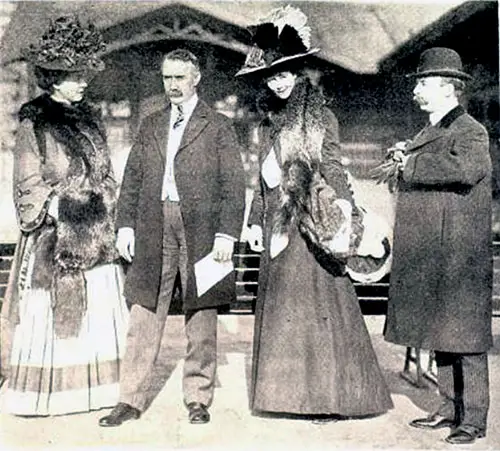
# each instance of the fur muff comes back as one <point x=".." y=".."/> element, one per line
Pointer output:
<point x="83" y="235"/>
<point x="315" y="207"/>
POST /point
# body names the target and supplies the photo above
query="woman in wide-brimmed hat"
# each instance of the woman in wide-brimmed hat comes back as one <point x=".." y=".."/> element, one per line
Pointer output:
<point x="64" y="299"/>
<point x="312" y="352"/>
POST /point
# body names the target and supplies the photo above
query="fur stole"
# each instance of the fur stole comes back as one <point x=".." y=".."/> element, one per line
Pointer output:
<point x="297" y="122"/>
<point x="297" y="131"/>
<point x="327" y="222"/>
<point x="83" y="234"/>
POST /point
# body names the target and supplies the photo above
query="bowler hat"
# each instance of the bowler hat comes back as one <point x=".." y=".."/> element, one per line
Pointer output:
<point x="280" y="37"/>
<point x="68" y="46"/>
<point x="440" y="61"/>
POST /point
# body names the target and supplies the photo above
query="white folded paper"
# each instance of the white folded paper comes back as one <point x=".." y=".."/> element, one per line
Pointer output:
<point x="208" y="272"/>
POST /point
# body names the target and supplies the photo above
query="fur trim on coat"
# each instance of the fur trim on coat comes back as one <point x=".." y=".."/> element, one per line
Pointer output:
<point x="83" y="234"/>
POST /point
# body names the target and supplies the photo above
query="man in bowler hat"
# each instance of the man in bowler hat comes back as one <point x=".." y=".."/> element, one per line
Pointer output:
<point x="440" y="293"/>
<point x="182" y="196"/>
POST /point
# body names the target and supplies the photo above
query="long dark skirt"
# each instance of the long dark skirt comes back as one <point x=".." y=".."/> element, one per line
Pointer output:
<point x="312" y="351"/>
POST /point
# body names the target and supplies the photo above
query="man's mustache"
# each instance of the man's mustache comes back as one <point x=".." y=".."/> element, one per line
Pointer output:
<point x="174" y="93"/>
<point x="419" y="100"/>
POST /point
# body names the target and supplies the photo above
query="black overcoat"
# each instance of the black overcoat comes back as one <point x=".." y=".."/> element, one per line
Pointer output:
<point x="211" y="185"/>
<point x="441" y="279"/>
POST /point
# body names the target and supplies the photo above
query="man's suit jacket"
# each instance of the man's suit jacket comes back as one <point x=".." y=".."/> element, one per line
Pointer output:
<point x="211" y="185"/>
<point x="441" y="278"/>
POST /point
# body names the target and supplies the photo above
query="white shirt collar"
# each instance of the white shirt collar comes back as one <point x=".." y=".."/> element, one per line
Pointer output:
<point x="436" y="116"/>
<point x="188" y="106"/>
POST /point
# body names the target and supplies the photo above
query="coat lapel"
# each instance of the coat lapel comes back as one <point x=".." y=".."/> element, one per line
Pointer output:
<point x="426" y="135"/>
<point x="197" y="122"/>
<point x="161" y="132"/>
<point x="431" y="133"/>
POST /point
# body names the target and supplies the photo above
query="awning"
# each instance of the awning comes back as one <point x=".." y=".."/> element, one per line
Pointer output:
<point x="352" y="34"/>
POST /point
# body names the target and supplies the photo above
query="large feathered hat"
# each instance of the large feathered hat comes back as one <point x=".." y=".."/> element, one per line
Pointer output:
<point x="280" y="37"/>
<point x="69" y="46"/>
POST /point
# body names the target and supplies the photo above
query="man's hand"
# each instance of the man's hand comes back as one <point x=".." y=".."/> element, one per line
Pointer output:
<point x="398" y="147"/>
<point x="125" y="243"/>
<point x="401" y="158"/>
<point x="223" y="249"/>
<point x="254" y="238"/>
<point x="389" y="171"/>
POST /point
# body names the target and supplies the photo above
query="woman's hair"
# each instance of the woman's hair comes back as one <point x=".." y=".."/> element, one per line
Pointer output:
<point x="47" y="78"/>
<point x="294" y="66"/>
<point x="266" y="100"/>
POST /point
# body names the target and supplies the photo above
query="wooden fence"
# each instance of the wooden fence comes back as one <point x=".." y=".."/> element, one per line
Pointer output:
<point x="246" y="265"/>
<point x="372" y="297"/>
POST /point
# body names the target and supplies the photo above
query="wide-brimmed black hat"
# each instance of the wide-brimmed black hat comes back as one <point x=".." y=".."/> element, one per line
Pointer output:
<point x="69" y="46"/>
<point x="280" y="37"/>
<point x="440" y="61"/>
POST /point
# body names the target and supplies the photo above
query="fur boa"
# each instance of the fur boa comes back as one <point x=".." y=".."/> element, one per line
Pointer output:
<point x="297" y="130"/>
<point x="83" y="235"/>
<point x="298" y="121"/>
<point x="306" y="199"/>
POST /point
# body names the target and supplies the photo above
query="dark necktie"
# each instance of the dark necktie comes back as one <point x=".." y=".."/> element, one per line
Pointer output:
<point x="180" y="117"/>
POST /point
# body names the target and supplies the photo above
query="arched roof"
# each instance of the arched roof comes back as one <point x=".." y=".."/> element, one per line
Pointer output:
<point x="355" y="35"/>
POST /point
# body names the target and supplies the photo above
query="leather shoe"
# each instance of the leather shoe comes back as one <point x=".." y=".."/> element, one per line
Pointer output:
<point x="121" y="412"/>
<point x="435" y="421"/>
<point x="465" y="434"/>
<point x="198" y="413"/>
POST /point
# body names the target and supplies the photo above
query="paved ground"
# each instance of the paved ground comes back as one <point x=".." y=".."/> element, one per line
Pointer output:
<point x="164" y="426"/>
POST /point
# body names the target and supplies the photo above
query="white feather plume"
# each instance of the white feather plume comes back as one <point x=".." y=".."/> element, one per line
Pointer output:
<point x="293" y="17"/>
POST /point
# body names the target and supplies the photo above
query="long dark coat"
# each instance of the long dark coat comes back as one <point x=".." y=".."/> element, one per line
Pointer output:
<point x="211" y="184"/>
<point x="312" y="352"/>
<point x="440" y="296"/>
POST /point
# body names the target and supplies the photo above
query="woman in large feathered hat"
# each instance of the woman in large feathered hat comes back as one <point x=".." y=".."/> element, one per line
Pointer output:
<point x="312" y="352"/>
<point x="64" y="299"/>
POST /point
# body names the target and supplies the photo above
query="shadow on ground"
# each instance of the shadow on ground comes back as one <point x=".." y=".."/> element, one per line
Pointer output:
<point x="391" y="359"/>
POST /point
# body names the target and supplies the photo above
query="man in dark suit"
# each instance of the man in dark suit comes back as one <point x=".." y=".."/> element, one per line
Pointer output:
<point x="182" y="196"/>
<point x="441" y="279"/>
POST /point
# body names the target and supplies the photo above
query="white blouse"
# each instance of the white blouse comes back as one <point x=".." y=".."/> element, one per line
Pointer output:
<point x="271" y="171"/>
